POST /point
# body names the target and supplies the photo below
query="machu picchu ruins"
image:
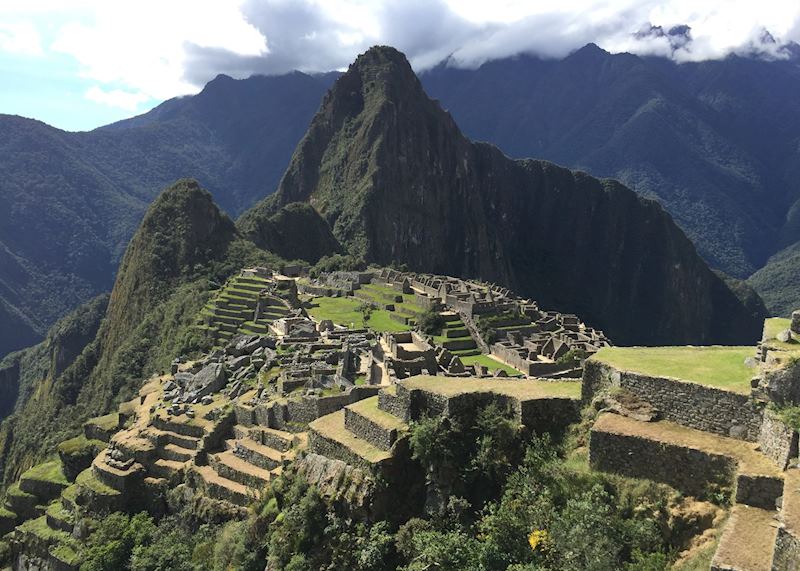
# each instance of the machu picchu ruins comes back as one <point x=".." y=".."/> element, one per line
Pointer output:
<point x="325" y="378"/>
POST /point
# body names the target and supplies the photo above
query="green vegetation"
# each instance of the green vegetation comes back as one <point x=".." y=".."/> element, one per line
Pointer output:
<point x="500" y="506"/>
<point x="346" y="311"/>
<point x="431" y="322"/>
<point x="491" y="363"/>
<point x="51" y="471"/>
<point x="775" y="325"/>
<point x="776" y="282"/>
<point x="522" y="389"/>
<point x="716" y="366"/>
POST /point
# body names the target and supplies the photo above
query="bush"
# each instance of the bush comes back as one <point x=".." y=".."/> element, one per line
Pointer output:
<point x="430" y="322"/>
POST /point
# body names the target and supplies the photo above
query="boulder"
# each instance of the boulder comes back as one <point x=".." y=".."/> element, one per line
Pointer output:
<point x="796" y="322"/>
<point x="209" y="380"/>
<point x="183" y="379"/>
<point x="784" y="336"/>
<point x="239" y="362"/>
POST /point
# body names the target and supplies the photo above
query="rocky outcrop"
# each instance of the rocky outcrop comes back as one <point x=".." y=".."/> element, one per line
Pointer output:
<point x="296" y="231"/>
<point x="397" y="182"/>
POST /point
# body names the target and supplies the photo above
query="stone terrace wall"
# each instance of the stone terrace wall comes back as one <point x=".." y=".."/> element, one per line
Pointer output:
<point x="690" y="404"/>
<point x="540" y="415"/>
<point x="685" y="469"/>
<point x="777" y="440"/>
<point x="786" y="556"/>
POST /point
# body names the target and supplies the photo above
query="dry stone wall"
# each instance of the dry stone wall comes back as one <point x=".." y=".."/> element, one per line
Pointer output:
<point x="697" y="406"/>
<point x="786" y="556"/>
<point x="777" y="440"/>
<point x="690" y="470"/>
<point x="377" y="435"/>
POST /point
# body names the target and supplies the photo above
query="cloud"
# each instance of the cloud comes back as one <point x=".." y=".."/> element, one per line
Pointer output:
<point x="319" y="35"/>
<point x="156" y="49"/>
<point x="20" y="38"/>
<point x="127" y="100"/>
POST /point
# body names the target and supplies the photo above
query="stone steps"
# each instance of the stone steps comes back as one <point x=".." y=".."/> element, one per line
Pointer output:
<point x="182" y="428"/>
<point x="652" y="450"/>
<point x="163" y="437"/>
<point x="220" y="488"/>
<point x="365" y="420"/>
<point x="166" y="469"/>
<point x="231" y="467"/>
<point x="747" y="542"/>
<point x="175" y="453"/>
<point x="256" y="454"/>
<point x="274" y="438"/>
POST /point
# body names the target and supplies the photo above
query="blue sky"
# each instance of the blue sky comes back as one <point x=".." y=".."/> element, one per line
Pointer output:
<point x="79" y="64"/>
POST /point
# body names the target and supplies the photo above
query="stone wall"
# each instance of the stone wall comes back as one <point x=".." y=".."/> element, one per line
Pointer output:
<point x="786" y="556"/>
<point x="366" y="429"/>
<point x="392" y="404"/>
<point x="758" y="491"/>
<point x="539" y="415"/>
<point x="690" y="404"/>
<point x="777" y="440"/>
<point x="688" y="470"/>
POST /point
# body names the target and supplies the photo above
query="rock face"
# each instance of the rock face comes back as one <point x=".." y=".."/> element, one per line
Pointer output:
<point x="397" y="182"/>
<point x="296" y="231"/>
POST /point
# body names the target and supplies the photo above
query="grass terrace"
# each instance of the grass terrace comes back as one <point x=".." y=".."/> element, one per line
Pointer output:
<point x="51" y="471"/>
<point x="345" y="311"/>
<point x="516" y="388"/>
<point x="775" y="325"/>
<point x="491" y="363"/>
<point x="716" y="366"/>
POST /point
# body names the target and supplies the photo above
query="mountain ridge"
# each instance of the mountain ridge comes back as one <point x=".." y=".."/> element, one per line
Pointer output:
<point x="393" y="176"/>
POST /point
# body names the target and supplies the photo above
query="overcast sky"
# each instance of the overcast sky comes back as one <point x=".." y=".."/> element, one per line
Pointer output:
<point x="78" y="64"/>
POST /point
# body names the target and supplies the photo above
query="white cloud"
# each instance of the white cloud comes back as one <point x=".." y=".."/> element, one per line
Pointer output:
<point x="163" y="48"/>
<point x="127" y="100"/>
<point x="20" y="38"/>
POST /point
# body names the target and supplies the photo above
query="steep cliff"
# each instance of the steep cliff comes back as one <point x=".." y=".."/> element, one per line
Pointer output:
<point x="397" y="182"/>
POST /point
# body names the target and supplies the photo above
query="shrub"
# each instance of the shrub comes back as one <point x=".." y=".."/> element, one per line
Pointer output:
<point x="430" y="322"/>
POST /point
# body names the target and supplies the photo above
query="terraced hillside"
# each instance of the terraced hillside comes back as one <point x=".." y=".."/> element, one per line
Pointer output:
<point x="455" y="337"/>
<point x="243" y="305"/>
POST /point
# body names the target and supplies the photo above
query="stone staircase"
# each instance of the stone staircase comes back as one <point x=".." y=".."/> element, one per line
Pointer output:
<point x="248" y="461"/>
<point x="242" y="307"/>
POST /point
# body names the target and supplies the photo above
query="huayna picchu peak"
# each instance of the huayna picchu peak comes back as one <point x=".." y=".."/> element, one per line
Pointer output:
<point x="413" y="351"/>
<point x="397" y="182"/>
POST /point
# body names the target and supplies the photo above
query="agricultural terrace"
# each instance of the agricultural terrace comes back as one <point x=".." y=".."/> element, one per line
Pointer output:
<point x="716" y="366"/>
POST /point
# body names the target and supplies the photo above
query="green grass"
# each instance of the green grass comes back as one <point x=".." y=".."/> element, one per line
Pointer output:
<point x="79" y="445"/>
<point x="344" y="311"/>
<point x="106" y="422"/>
<point x="369" y="408"/>
<point x="14" y="490"/>
<point x="716" y="366"/>
<point x="775" y="325"/>
<point x="51" y="471"/>
<point x="489" y="362"/>
<point x="7" y="513"/>
<point x="90" y="481"/>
